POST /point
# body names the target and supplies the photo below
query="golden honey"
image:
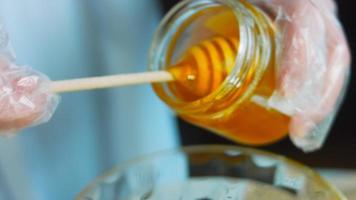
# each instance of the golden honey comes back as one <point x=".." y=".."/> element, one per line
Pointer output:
<point x="218" y="77"/>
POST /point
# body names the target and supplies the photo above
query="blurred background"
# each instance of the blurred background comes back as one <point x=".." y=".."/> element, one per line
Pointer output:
<point x="93" y="131"/>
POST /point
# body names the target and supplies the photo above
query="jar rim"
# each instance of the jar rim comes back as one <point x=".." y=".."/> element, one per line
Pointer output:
<point x="246" y="49"/>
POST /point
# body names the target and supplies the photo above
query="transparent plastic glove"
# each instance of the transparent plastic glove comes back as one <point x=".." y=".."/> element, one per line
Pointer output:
<point x="314" y="66"/>
<point x="25" y="99"/>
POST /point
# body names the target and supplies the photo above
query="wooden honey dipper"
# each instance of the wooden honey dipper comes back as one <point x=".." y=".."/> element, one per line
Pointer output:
<point x="205" y="64"/>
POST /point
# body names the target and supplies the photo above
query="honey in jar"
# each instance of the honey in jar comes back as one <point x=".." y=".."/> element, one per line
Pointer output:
<point x="222" y="55"/>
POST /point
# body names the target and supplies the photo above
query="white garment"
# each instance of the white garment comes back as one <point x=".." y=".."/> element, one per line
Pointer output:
<point x="91" y="131"/>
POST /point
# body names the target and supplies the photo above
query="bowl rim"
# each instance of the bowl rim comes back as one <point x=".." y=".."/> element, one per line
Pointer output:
<point x="206" y="149"/>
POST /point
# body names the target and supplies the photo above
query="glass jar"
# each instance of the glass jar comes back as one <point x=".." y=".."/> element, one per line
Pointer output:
<point x="235" y="109"/>
<point x="211" y="172"/>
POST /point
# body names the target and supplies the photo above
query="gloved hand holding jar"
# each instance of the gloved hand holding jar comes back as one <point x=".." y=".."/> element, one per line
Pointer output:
<point x="289" y="76"/>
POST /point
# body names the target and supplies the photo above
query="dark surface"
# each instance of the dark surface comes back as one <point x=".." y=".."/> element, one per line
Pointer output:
<point x="340" y="148"/>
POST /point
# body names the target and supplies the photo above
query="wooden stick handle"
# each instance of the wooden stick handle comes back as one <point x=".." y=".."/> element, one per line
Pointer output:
<point x="120" y="80"/>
